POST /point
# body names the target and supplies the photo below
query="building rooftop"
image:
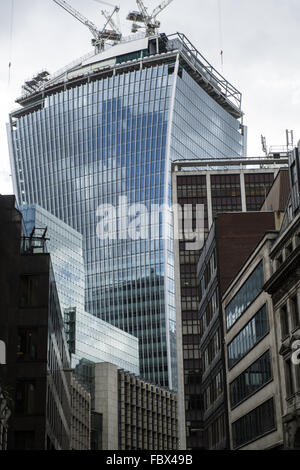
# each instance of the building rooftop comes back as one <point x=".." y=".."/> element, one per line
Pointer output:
<point x="132" y="55"/>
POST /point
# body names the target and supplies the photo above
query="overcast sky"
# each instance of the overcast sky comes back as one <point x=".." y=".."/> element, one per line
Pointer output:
<point x="260" y="40"/>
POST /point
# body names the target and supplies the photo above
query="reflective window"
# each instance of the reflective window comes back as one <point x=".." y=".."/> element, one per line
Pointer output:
<point x="245" y="296"/>
<point x="254" y="424"/>
<point x="248" y="337"/>
<point x="252" y="379"/>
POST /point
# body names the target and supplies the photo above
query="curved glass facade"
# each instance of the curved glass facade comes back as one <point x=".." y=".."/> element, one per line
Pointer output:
<point x="116" y="136"/>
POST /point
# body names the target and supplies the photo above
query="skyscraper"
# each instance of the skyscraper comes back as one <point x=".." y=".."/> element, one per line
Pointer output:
<point x="108" y="126"/>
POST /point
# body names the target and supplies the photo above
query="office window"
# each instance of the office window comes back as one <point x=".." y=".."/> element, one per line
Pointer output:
<point x="258" y="422"/>
<point x="225" y="193"/>
<point x="25" y="397"/>
<point x="245" y="296"/>
<point x="27" y="344"/>
<point x="251" y="380"/>
<point x="297" y="372"/>
<point x="295" y="312"/>
<point x="284" y="321"/>
<point x="29" y="291"/>
<point x="24" y="440"/>
<point x="217" y="431"/>
<point x="257" y="186"/>
<point x="290" y="385"/>
<point x="250" y="335"/>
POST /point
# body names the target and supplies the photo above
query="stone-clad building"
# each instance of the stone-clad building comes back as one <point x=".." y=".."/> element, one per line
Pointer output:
<point x="81" y="416"/>
<point x="136" y="415"/>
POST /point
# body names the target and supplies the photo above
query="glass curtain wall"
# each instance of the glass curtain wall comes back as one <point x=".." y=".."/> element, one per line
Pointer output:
<point x="115" y="137"/>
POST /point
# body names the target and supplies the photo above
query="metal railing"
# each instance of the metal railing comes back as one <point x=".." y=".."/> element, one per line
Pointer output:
<point x="33" y="245"/>
<point x="206" y="69"/>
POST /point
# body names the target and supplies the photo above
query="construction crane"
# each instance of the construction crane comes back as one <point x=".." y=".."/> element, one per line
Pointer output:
<point x="100" y="37"/>
<point x="142" y="16"/>
<point x="110" y="21"/>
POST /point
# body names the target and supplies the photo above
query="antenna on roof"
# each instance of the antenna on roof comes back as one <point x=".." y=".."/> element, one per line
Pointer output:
<point x="289" y="139"/>
<point x="264" y="144"/>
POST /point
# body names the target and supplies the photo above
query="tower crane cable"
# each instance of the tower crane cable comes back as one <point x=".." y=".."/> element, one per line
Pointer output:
<point x="11" y="39"/>
<point x="220" y="34"/>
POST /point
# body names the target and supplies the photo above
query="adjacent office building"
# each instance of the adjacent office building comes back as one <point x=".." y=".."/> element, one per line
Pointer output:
<point x="108" y="126"/>
<point x="136" y="415"/>
<point x="260" y="310"/>
<point x="221" y="186"/>
<point x="253" y="386"/>
<point x="31" y="324"/>
<point x="230" y="241"/>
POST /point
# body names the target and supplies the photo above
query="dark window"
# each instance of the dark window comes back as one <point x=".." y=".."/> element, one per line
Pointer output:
<point x="29" y="295"/>
<point x="295" y="312"/>
<point x="290" y="386"/>
<point x="248" y="337"/>
<point x="225" y="193"/>
<point x="257" y="186"/>
<point x="27" y="344"/>
<point x="251" y="380"/>
<point x="284" y="321"/>
<point x="25" y="397"/>
<point x="254" y="424"/>
<point x="245" y="296"/>
<point x="217" y="431"/>
<point x="24" y="440"/>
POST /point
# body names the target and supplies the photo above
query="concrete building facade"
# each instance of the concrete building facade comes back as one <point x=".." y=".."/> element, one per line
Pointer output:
<point x="136" y="415"/>
<point x="81" y="416"/>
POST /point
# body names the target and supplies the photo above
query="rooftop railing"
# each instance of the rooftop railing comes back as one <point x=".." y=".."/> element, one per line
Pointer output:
<point x="182" y="43"/>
